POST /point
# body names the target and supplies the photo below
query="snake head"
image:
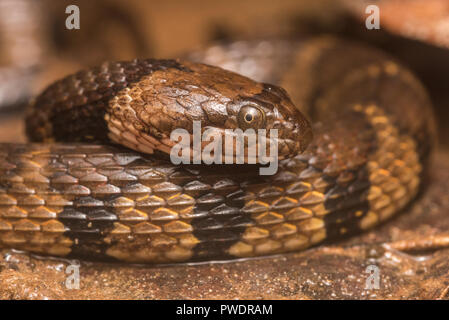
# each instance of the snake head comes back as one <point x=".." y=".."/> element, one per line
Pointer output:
<point x="271" y="113"/>
<point x="201" y="110"/>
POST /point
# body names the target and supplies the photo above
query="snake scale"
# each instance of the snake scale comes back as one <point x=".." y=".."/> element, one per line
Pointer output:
<point x="373" y="131"/>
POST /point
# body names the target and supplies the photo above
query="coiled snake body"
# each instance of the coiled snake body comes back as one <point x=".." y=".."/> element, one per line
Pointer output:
<point x="372" y="126"/>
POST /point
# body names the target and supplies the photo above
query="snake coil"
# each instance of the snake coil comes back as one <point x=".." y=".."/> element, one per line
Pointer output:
<point x="372" y="125"/>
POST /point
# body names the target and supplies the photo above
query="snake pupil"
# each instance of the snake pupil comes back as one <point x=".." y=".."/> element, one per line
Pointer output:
<point x="248" y="117"/>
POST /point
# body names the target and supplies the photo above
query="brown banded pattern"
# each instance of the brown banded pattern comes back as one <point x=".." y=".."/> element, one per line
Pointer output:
<point x="373" y="129"/>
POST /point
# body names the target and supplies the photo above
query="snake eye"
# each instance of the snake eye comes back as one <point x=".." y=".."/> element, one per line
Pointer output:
<point x="251" y="117"/>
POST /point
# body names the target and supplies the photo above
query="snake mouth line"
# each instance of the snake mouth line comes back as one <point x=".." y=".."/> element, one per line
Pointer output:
<point x="213" y="145"/>
<point x="225" y="146"/>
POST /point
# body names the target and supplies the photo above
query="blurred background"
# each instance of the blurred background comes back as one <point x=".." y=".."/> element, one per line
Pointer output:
<point x="36" y="48"/>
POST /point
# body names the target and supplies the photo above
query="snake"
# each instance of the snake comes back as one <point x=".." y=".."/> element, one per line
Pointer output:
<point x="355" y="131"/>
